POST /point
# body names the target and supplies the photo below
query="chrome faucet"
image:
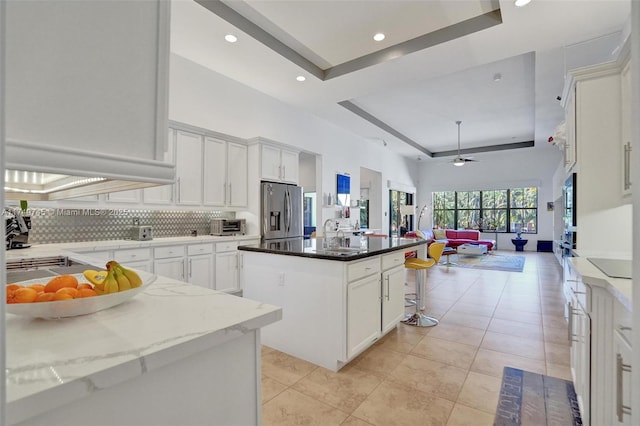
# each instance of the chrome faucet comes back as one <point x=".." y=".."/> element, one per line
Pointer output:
<point x="334" y="225"/>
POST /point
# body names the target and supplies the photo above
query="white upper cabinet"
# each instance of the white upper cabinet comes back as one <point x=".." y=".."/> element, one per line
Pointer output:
<point x="225" y="173"/>
<point x="237" y="163"/>
<point x="278" y="164"/>
<point x="215" y="172"/>
<point x="188" y="169"/>
<point x="86" y="87"/>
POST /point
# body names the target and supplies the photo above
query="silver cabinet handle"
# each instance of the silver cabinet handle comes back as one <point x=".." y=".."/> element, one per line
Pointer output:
<point x="230" y="194"/>
<point x="178" y="188"/>
<point x="627" y="165"/>
<point x="621" y="367"/>
<point x="570" y="325"/>
<point x="182" y="273"/>
<point x="190" y="268"/>
<point x="388" y="289"/>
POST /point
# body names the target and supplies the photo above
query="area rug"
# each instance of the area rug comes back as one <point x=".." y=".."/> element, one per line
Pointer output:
<point x="495" y="262"/>
<point x="530" y="399"/>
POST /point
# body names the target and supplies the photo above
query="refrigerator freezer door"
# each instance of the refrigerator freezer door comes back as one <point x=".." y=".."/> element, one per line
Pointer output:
<point x="281" y="211"/>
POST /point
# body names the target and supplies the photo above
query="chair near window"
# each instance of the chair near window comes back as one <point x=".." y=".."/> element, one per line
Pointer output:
<point x="418" y="318"/>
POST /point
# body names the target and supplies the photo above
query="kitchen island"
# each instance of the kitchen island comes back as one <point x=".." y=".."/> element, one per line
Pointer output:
<point x="337" y="300"/>
<point x="175" y="354"/>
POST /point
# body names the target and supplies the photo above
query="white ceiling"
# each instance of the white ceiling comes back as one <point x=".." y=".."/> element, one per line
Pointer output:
<point x="431" y="70"/>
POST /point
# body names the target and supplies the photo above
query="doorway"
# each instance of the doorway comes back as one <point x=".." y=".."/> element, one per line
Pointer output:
<point x="401" y="214"/>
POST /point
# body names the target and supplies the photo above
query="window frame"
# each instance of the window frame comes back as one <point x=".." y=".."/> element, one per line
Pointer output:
<point x="457" y="211"/>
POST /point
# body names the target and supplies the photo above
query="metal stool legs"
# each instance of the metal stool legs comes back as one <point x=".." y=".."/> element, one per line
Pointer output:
<point x="418" y="318"/>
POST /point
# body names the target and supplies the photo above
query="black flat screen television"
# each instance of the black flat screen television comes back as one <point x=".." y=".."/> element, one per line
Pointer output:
<point x="570" y="214"/>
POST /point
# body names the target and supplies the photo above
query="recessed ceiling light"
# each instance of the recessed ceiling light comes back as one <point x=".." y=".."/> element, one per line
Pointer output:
<point x="301" y="78"/>
<point x="520" y="3"/>
<point x="497" y="77"/>
<point x="379" y="37"/>
<point x="231" y="38"/>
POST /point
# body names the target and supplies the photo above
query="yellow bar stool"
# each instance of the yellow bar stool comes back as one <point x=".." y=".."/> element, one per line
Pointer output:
<point x="418" y="318"/>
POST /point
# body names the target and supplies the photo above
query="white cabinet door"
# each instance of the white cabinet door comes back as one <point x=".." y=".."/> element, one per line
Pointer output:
<point x="227" y="271"/>
<point x="200" y="270"/>
<point x="188" y="169"/>
<point x="580" y="331"/>
<point x="237" y="172"/>
<point x="392" y="298"/>
<point x="622" y="381"/>
<point x="363" y="314"/>
<point x="162" y="194"/>
<point x="142" y="265"/>
<point x="170" y="268"/>
<point x="215" y="172"/>
<point x="270" y="162"/>
<point x="625" y="82"/>
<point x="289" y="166"/>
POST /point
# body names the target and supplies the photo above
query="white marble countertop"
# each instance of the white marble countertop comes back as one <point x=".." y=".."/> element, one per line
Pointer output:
<point x="55" y="362"/>
<point x="620" y="288"/>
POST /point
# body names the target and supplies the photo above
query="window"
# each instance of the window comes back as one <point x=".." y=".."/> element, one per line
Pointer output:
<point x="502" y="210"/>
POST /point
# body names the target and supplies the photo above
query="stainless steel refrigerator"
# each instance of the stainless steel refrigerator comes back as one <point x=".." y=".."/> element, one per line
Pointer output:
<point x="281" y="206"/>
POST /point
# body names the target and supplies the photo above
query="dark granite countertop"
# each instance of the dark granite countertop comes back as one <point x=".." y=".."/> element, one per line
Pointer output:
<point x="354" y="248"/>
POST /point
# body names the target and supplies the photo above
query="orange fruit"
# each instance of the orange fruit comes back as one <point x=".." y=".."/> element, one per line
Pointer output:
<point x="22" y="295"/>
<point x="45" y="297"/>
<point x="85" y="286"/>
<point x="62" y="296"/>
<point x="13" y="287"/>
<point x="61" y="281"/>
<point x="86" y="292"/>
<point x="73" y="292"/>
<point x="37" y="287"/>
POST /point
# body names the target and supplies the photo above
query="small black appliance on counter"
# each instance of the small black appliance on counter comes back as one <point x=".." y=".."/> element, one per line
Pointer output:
<point x="17" y="228"/>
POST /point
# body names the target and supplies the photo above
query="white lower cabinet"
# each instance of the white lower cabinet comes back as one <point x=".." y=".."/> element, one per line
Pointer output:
<point x="200" y="265"/>
<point x="580" y="326"/>
<point x="392" y="298"/>
<point x="622" y="381"/>
<point x="169" y="262"/>
<point x="363" y="314"/>
<point x="227" y="271"/>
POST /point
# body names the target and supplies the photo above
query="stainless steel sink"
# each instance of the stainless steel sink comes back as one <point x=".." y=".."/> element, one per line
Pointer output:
<point x="339" y="251"/>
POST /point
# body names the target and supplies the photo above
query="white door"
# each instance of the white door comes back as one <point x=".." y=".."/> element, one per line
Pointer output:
<point x="200" y="270"/>
<point x="392" y="298"/>
<point x="170" y="268"/>
<point x="188" y="169"/>
<point x="227" y="271"/>
<point x="237" y="175"/>
<point x="289" y="164"/>
<point x="363" y="314"/>
<point x="270" y="162"/>
<point x="215" y="184"/>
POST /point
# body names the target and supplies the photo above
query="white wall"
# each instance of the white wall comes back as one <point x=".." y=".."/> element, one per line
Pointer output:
<point x="497" y="170"/>
<point x="203" y="98"/>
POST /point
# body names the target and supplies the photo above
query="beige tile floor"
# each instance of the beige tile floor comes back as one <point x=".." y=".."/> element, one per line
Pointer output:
<point x="444" y="375"/>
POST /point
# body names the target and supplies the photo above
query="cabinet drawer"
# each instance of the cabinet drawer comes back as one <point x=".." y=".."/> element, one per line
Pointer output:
<point x="194" y="249"/>
<point x="167" y="252"/>
<point x="132" y="255"/>
<point x="359" y="270"/>
<point x="226" y="246"/>
<point x="392" y="260"/>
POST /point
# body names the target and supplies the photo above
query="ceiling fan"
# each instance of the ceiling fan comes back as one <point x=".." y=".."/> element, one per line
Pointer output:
<point x="460" y="160"/>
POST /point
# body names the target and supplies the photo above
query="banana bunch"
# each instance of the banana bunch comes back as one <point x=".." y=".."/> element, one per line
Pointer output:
<point x="116" y="278"/>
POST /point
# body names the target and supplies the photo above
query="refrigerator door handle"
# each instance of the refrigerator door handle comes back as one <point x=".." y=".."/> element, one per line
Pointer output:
<point x="267" y="207"/>
<point x="287" y="211"/>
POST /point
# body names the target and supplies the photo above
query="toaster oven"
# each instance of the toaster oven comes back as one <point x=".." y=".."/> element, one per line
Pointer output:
<point x="221" y="226"/>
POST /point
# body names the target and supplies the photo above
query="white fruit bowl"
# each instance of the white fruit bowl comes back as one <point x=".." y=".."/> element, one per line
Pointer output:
<point x="75" y="307"/>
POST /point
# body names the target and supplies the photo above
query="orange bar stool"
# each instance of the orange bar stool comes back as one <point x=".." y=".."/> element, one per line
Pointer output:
<point x="418" y="318"/>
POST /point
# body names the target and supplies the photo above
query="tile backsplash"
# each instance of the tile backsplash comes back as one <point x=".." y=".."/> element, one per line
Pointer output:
<point x="67" y="225"/>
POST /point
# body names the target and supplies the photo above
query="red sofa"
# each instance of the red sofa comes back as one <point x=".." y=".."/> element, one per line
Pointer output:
<point x="456" y="238"/>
